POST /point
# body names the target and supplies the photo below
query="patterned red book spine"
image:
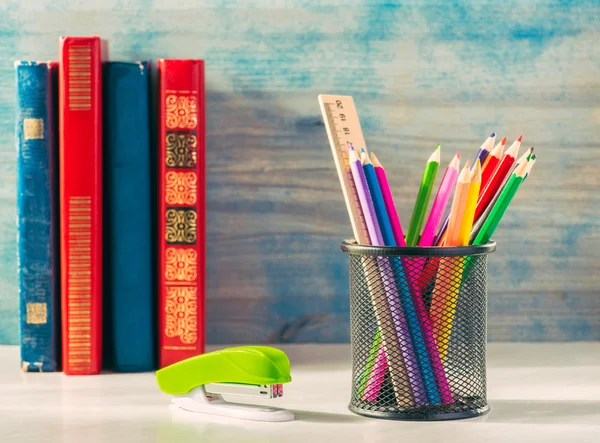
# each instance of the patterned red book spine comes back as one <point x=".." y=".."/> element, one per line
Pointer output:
<point x="81" y="203"/>
<point x="181" y="210"/>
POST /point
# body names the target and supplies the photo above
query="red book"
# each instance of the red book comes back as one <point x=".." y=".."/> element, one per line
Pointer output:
<point x="181" y="223"/>
<point x="80" y="155"/>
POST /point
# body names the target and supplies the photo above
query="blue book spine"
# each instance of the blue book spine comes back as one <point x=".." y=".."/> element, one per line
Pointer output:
<point x="129" y="296"/>
<point x="37" y="215"/>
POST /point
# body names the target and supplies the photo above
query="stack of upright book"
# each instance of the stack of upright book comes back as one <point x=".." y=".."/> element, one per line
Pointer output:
<point x="111" y="212"/>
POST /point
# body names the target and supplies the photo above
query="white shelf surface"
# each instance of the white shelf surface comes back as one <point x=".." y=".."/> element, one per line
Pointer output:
<point x="538" y="392"/>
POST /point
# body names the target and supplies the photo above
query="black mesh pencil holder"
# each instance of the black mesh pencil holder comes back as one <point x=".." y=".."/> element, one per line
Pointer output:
<point x="418" y="331"/>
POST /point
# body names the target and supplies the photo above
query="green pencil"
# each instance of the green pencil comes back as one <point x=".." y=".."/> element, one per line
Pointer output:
<point x="418" y="215"/>
<point x="509" y="191"/>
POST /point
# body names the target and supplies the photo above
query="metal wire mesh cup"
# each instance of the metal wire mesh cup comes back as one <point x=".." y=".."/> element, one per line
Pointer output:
<point x="418" y="331"/>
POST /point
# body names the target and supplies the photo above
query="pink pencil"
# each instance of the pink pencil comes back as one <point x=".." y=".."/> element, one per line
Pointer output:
<point x="420" y="310"/>
<point x="435" y="217"/>
<point x="441" y="201"/>
<point x="389" y="202"/>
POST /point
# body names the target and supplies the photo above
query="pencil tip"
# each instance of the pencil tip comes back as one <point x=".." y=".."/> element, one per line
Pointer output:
<point x="362" y="150"/>
<point x="465" y="174"/>
<point x="455" y="163"/>
<point x="476" y="176"/>
<point x="375" y="160"/>
<point x="438" y="146"/>
<point x="435" y="156"/>
<point x="493" y="134"/>
<point x="503" y="141"/>
<point x="520" y="138"/>
<point x="350" y="147"/>
<point x="364" y="158"/>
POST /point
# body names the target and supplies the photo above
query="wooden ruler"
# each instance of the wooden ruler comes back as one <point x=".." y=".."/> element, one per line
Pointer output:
<point x="343" y="127"/>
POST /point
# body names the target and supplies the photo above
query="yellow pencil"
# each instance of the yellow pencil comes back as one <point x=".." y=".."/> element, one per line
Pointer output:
<point x="459" y="204"/>
<point x="457" y="264"/>
<point x="443" y="281"/>
<point x="469" y="214"/>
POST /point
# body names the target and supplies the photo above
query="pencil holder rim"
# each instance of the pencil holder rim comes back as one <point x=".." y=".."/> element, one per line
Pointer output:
<point x="352" y="247"/>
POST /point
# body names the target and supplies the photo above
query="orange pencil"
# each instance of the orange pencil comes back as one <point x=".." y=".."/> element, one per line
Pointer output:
<point x="440" y="291"/>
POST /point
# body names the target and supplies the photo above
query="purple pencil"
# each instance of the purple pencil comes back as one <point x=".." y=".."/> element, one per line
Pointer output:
<point x="485" y="148"/>
<point x="403" y="345"/>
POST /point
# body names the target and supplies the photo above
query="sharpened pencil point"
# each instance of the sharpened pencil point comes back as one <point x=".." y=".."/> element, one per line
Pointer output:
<point x="435" y="157"/>
<point x="455" y="163"/>
<point x="352" y="156"/>
<point x="503" y="141"/>
<point x="465" y="175"/>
<point x="364" y="159"/>
<point x="375" y="161"/>
<point x="493" y="134"/>
<point x="362" y="150"/>
<point x="476" y="174"/>
<point x="350" y="147"/>
<point x="520" y="138"/>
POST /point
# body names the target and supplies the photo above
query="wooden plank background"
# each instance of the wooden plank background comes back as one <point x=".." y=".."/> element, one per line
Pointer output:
<point x="421" y="73"/>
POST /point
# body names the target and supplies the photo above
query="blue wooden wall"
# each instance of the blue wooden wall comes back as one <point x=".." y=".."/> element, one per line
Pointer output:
<point x="421" y="73"/>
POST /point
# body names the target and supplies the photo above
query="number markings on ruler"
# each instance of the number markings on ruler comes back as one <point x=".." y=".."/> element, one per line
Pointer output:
<point x="343" y="127"/>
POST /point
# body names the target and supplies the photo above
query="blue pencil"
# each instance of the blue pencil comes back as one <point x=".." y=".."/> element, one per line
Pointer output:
<point x="403" y="290"/>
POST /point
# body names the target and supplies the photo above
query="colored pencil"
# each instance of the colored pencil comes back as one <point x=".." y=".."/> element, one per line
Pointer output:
<point x="481" y="219"/>
<point x="469" y="214"/>
<point x="511" y="188"/>
<point x="390" y="206"/>
<point x="485" y="148"/>
<point x="393" y="312"/>
<point x="421" y="310"/>
<point x="416" y="221"/>
<point x="457" y="264"/>
<point x="482" y="155"/>
<point x="499" y="208"/>
<point x="415" y="355"/>
<point x="491" y="163"/>
<point x="440" y="202"/>
<point x="375" y="283"/>
<point x="486" y="195"/>
<point x="440" y="290"/>
<point x="533" y="159"/>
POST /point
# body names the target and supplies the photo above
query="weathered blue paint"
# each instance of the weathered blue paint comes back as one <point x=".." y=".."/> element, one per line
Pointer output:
<point x="421" y="73"/>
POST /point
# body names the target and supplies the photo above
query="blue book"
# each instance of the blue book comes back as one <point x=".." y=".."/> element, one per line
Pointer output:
<point x="37" y="215"/>
<point x="129" y="295"/>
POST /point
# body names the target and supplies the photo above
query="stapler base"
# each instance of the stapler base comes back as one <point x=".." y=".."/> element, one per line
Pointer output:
<point x="199" y="401"/>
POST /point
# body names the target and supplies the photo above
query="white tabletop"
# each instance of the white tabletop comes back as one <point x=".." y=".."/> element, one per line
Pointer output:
<point x="537" y="392"/>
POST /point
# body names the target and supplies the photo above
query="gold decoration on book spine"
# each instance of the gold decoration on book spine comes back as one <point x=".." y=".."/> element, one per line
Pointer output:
<point x="182" y="111"/>
<point x="181" y="226"/>
<point x="37" y="314"/>
<point x="181" y="313"/>
<point x="181" y="149"/>
<point x="79" y="78"/>
<point x="181" y="188"/>
<point x="33" y="128"/>
<point x="181" y="264"/>
<point x="79" y="283"/>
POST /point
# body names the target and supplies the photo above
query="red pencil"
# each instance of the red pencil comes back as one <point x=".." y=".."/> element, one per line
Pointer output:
<point x="497" y="178"/>
<point x="490" y="164"/>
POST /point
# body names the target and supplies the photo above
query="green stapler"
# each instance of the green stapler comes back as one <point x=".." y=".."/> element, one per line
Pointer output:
<point x="198" y="383"/>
